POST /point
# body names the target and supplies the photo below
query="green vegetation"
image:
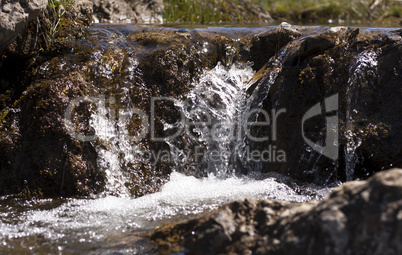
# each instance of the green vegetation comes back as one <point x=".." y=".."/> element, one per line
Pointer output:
<point x="318" y="11"/>
<point x="52" y="19"/>
<point x="212" y="11"/>
<point x="57" y="9"/>
<point x="337" y="11"/>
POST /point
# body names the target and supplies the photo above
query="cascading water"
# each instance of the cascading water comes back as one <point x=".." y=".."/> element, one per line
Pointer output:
<point x="215" y="111"/>
<point x="115" y="147"/>
<point x="251" y="110"/>
<point x="93" y="224"/>
<point x="215" y="105"/>
<point x="362" y="73"/>
<point x="218" y="95"/>
<point x="216" y="108"/>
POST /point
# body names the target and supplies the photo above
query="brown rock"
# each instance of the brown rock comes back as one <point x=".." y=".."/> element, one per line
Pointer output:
<point x="360" y="217"/>
<point x="299" y="67"/>
<point x="14" y="17"/>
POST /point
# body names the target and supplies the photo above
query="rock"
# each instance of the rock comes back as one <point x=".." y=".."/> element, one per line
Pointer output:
<point x="298" y="69"/>
<point x="135" y="11"/>
<point x="84" y="9"/>
<point x="358" y="70"/>
<point x="14" y="17"/>
<point x="148" y="11"/>
<point x="360" y="217"/>
<point x="112" y="11"/>
<point x="53" y="30"/>
<point x="41" y="155"/>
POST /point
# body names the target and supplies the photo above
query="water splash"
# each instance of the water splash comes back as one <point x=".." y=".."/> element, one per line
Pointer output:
<point x="219" y="105"/>
<point x="78" y="223"/>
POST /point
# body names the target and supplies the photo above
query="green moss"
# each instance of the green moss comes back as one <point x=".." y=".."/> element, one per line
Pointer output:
<point x="3" y="115"/>
<point x="396" y="11"/>
<point x="58" y="24"/>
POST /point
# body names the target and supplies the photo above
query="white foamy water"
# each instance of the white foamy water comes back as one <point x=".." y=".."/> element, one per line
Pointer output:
<point x="83" y="222"/>
<point x="214" y="106"/>
<point x="111" y="134"/>
<point x="109" y="224"/>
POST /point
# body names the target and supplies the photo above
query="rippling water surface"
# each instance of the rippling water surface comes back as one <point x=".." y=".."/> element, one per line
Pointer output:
<point x="105" y="225"/>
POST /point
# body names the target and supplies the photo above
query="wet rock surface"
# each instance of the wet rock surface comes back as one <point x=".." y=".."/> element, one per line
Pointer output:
<point x="131" y="66"/>
<point x="360" y="217"/>
<point x="125" y="66"/>
<point x="355" y="67"/>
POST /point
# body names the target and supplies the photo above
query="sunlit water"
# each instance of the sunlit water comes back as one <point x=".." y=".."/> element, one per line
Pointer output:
<point x="113" y="224"/>
<point x="116" y="224"/>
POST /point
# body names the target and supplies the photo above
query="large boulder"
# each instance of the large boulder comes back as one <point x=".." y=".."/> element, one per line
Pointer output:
<point x="360" y="217"/>
<point x="336" y="95"/>
<point x="14" y="17"/>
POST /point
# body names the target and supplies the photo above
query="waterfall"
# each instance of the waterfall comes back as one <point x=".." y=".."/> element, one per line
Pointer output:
<point x="218" y="96"/>
<point x="219" y="105"/>
<point x="215" y="111"/>
<point x="114" y="147"/>
<point x="119" y="156"/>
<point x="260" y="87"/>
<point x="362" y="73"/>
<point x="214" y="106"/>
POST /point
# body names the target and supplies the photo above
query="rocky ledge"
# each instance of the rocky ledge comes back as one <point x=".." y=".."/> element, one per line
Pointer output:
<point x="297" y="68"/>
<point x="359" y="217"/>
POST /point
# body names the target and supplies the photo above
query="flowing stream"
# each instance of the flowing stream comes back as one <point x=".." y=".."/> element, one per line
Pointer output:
<point x="112" y="224"/>
<point x="113" y="221"/>
<point x="218" y="104"/>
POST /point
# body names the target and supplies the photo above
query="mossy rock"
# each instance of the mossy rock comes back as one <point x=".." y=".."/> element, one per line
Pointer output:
<point x="361" y="67"/>
<point x="133" y="64"/>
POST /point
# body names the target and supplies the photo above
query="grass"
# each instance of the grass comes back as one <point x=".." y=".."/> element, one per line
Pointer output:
<point x="49" y="22"/>
<point x="211" y="11"/>
<point x="221" y="11"/>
